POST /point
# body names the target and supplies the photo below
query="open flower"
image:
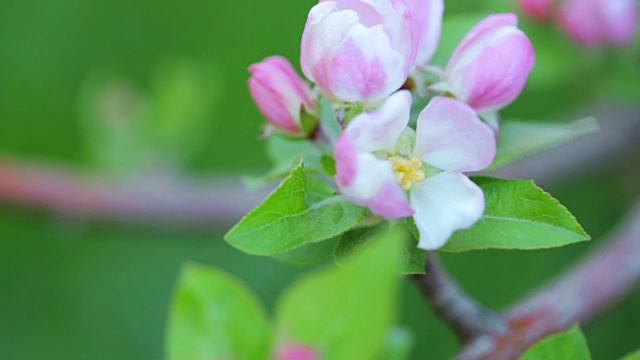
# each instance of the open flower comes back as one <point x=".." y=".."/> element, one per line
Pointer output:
<point x="281" y="95"/>
<point x="379" y="161"/>
<point x="362" y="50"/>
<point x="490" y="67"/>
<point x="599" y="22"/>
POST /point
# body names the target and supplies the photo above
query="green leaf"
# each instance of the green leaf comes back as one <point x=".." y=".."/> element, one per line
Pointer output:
<point x="298" y="212"/>
<point x="214" y="316"/>
<point x="345" y="313"/>
<point x="632" y="356"/>
<point x="570" y="344"/>
<point x="519" y="139"/>
<point x="518" y="215"/>
<point x="351" y="242"/>
<point x="309" y="254"/>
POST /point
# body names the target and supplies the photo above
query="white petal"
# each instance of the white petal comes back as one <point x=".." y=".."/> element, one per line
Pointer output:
<point x="451" y="136"/>
<point x="443" y="204"/>
<point x="380" y="129"/>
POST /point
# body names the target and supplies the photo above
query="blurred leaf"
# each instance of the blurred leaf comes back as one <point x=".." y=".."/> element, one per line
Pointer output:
<point x="519" y="139"/>
<point x="282" y="152"/>
<point x="214" y="316"/>
<point x="351" y="242"/>
<point x="570" y="344"/>
<point x="181" y="107"/>
<point x="345" y="313"/>
<point x="111" y="113"/>
<point x="298" y="212"/>
<point x="518" y="215"/>
<point x="632" y="356"/>
<point x="398" y="345"/>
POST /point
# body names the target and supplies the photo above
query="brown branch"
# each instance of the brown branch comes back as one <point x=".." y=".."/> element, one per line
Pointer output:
<point x="467" y="318"/>
<point x="594" y="285"/>
<point x="157" y="200"/>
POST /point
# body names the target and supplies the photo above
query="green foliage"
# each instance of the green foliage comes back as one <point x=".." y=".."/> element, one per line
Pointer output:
<point x="345" y="313"/>
<point x="519" y="139"/>
<point x="352" y="241"/>
<point x="129" y="129"/>
<point x="214" y="316"/>
<point x="632" y="356"/>
<point x="518" y="215"/>
<point x="570" y="344"/>
<point x="298" y="212"/>
<point x="333" y="311"/>
<point x="309" y="254"/>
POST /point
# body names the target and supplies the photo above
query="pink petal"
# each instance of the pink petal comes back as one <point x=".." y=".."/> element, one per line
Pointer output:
<point x="381" y="129"/>
<point x="474" y="41"/>
<point x="450" y="136"/>
<point x="325" y="29"/>
<point x="375" y="186"/>
<point x="579" y="20"/>
<point x="499" y="74"/>
<point x="280" y="93"/>
<point x="491" y="66"/>
<point x="443" y="204"/>
<point x="365" y="67"/>
<point x="346" y="157"/>
<point x="622" y="20"/>
<point x="427" y="15"/>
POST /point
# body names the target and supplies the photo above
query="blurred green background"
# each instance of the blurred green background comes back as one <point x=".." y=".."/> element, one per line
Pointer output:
<point x="72" y="289"/>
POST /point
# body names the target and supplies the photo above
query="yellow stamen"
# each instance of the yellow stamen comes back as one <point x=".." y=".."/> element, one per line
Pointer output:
<point x="407" y="170"/>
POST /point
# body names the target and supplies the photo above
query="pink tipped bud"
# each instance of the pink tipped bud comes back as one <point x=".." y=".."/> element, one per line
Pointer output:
<point x="361" y="50"/>
<point x="281" y="95"/>
<point x="537" y="9"/>
<point x="490" y="67"/>
<point x="599" y="22"/>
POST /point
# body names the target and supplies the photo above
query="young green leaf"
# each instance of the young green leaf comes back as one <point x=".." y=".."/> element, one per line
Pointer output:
<point x="352" y="241"/>
<point x="345" y="313"/>
<point x="519" y="139"/>
<point x="518" y="215"/>
<point x="298" y="212"/>
<point x="214" y="316"/>
<point x="570" y="344"/>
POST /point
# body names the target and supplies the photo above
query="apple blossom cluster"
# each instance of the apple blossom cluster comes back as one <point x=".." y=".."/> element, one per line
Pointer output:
<point x="374" y="56"/>
<point x="589" y="22"/>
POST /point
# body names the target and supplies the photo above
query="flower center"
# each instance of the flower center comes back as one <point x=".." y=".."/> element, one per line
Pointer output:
<point x="407" y="170"/>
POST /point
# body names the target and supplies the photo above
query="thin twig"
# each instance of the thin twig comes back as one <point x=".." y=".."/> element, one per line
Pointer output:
<point x="156" y="200"/>
<point x="467" y="318"/>
<point x="595" y="284"/>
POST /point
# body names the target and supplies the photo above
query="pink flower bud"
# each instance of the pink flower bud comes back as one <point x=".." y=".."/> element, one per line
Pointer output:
<point x="599" y="22"/>
<point x="537" y="9"/>
<point x="357" y="50"/>
<point x="490" y="67"/>
<point x="280" y="94"/>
